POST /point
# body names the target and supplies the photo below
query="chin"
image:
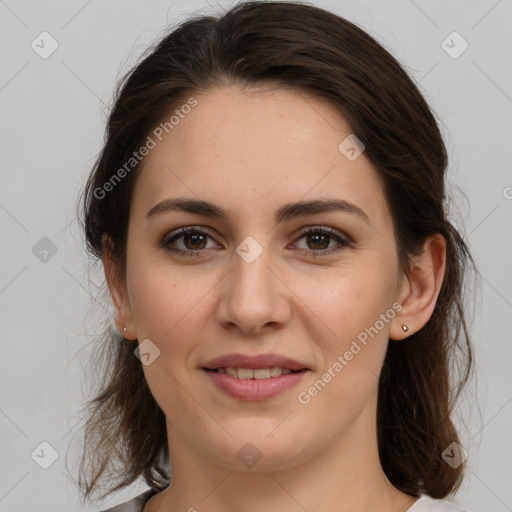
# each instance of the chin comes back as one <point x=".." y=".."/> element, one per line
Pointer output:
<point x="256" y="451"/>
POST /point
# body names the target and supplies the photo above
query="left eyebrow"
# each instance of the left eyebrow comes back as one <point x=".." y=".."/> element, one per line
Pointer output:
<point x="286" y="212"/>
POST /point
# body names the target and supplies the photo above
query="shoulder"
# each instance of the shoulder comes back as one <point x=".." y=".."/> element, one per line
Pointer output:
<point x="135" y="504"/>
<point x="428" y="504"/>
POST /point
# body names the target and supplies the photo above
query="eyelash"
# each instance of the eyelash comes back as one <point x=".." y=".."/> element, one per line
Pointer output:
<point x="344" y="241"/>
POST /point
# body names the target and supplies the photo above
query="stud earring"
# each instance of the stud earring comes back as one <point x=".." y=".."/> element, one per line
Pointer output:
<point x="124" y="329"/>
<point x="405" y="328"/>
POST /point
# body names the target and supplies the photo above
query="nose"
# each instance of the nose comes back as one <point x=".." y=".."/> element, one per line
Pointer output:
<point x="254" y="296"/>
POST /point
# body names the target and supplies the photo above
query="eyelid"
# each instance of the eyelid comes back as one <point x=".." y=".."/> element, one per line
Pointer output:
<point x="326" y="229"/>
<point x="179" y="232"/>
<point x="344" y="240"/>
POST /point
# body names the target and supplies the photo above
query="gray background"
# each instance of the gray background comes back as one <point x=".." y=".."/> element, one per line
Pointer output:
<point x="53" y="112"/>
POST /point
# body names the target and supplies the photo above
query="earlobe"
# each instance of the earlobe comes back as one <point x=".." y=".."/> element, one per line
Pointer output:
<point x="418" y="292"/>
<point x="122" y="314"/>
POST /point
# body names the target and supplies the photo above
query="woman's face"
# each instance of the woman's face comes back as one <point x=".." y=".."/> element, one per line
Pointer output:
<point x="251" y="282"/>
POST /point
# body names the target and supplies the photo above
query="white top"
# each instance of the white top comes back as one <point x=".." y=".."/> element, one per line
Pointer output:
<point x="428" y="504"/>
<point x="423" y="504"/>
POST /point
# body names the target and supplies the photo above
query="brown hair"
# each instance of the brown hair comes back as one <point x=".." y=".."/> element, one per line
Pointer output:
<point x="298" y="46"/>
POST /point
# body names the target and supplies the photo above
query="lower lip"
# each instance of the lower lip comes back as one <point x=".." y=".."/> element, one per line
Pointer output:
<point x="255" y="389"/>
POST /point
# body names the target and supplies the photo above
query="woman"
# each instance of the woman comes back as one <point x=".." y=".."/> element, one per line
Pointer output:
<point x="269" y="210"/>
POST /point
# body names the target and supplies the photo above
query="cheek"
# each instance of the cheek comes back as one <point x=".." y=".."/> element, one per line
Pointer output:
<point x="166" y="300"/>
<point x="168" y="308"/>
<point x="352" y="350"/>
<point x="349" y="301"/>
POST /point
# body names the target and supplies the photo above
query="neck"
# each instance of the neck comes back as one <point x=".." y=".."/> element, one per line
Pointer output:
<point x="344" y="477"/>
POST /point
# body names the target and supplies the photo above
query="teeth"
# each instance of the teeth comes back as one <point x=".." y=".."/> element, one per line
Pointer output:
<point x="230" y="371"/>
<point x="264" y="373"/>
<point x="245" y="373"/>
<point x="276" y="371"/>
<point x="258" y="373"/>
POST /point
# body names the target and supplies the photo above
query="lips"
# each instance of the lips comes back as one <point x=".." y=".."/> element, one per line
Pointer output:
<point x="268" y="360"/>
<point x="258" y="377"/>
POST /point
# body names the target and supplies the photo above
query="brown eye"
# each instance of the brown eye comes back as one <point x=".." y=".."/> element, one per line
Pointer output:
<point x="193" y="241"/>
<point x="318" y="240"/>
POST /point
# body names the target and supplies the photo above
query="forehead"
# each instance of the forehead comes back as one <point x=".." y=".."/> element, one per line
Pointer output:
<point x="253" y="151"/>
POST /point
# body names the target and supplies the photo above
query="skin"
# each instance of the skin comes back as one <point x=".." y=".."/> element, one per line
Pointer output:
<point x="250" y="152"/>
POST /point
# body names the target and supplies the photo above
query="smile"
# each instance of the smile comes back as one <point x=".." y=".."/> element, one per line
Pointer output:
<point x="256" y="373"/>
<point x="254" y="384"/>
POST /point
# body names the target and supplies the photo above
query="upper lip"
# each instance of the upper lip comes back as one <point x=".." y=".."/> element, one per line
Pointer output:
<point x="268" y="360"/>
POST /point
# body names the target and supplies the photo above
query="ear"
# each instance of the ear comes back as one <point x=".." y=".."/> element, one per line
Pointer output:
<point x="418" y="293"/>
<point x="123" y="315"/>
